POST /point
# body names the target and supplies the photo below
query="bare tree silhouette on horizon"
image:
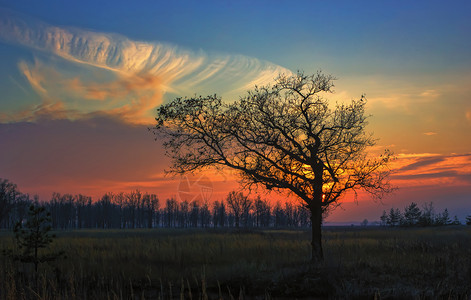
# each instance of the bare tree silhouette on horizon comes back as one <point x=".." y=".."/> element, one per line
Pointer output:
<point x="284" y="137"/>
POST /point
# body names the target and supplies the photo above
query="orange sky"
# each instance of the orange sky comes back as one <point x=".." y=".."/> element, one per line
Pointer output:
<point x="104" y="154"/>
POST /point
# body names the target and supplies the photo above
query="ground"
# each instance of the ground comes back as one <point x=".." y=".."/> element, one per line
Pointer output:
<point x="386" y="263"/>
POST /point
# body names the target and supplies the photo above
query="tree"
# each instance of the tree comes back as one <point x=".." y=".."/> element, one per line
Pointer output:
<point x="428" y="214"/>
<point x="33" y="236"/>
<point x="170" y="212"/>
<point x="394" y="217"/>
<point x="285" y="137"/>
<point x="456" y="221"/>
<point x="240" y="205"/>
<point x="219" y="214"/>
<point x="205" y="215"/>
<point x="280" y="216"/>
<point x="384" y="218"/>
<point x="194" y="213"/>
<point x="262" y="212"/>
<point x="8" y="194"/>
<point x="412" y="214"/>
<point x="468" y="220"/>
<point x="443" y="218"/>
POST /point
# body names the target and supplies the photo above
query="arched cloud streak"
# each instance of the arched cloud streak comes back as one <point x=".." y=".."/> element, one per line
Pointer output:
<point x="128" y="78"/>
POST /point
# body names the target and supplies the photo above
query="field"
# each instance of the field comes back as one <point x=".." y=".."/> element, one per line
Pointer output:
<point x="380" y="263"/>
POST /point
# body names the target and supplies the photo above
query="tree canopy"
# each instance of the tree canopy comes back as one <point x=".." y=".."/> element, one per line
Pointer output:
<point x="284" y="137"/>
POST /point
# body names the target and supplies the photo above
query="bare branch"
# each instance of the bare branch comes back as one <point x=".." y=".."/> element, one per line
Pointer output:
<point x="283" y="137"/>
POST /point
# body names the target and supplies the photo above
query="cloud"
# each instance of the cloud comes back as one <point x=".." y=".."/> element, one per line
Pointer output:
<point x="430" y="133"/>
<point x="421" y="162"/>
<point x="141" y="93"/>
<point x="128" y="78"/>
<point x="49" y="110"/>
<point x="405" y="101"/>
<point x="436" y="175"/>
<point x="430" y="94"/>
<point x="432" y="169"/>
<point x="35" y="79"/>
<point x="468" y="115"/>
<point x="416" y="155"/>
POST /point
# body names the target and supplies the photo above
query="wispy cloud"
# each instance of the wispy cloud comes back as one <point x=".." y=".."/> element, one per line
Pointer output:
<point x="430" y="94"/>
<point x="134" y="75"/>
<point x="403" y="156"/>
<point x="421" y="162"/>
<point x="404" y="101"/>
<point x="428" y="169"/>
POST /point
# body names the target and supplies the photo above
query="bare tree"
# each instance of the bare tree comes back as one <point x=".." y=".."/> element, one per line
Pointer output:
<point x="240" y="205"/>
<point x="219" y="214"/>
<point x="8" y="195"/>
<point x="205" y="215"/>
<point x="285" y="137"/>
<point x="262" y="212"/>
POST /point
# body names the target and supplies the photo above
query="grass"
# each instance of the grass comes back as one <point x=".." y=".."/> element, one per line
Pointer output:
<point x="422" y="263"/>
<point x="403" y="263"/>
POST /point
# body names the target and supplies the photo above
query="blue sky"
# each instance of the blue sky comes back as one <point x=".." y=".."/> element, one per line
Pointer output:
<point x="422" y="35"/>
<point x="410" y="58"/>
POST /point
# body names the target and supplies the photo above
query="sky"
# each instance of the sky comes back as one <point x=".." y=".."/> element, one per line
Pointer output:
<point x="80" y="82"/>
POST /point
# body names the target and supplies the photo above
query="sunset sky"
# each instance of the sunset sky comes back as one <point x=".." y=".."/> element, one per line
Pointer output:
<point x="80" y="81"/>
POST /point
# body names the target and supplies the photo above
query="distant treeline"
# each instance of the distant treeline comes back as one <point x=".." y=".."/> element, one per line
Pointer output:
<point x="414" y="216"/>
<point x="142" y="210"/>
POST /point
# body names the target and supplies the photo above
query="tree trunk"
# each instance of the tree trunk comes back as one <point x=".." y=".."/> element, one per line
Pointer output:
<point x="317" y="254"/>
<point x="237" y="219"/>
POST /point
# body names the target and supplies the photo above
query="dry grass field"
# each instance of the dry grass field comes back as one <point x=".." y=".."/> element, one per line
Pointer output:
<point x="360" y="263"/>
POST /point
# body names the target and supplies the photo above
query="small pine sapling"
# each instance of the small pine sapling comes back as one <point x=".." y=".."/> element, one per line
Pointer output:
<point x="34" y="235"/>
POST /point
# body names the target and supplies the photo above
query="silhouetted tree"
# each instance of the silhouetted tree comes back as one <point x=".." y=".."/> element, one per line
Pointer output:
<point x="184" y="213"/>
<point x="290" y="215"/>
<point x="412" y="214"/>
<point x="205" y="215"/>
<point x="33" y="236"/>
<point x="240" y="205"/>
<point x="384" y="219"/>
<point x="8" y="194"/>
<point x="150" y="204"/>
<point x="284" y="137"/>
<point x="304" y="216"/>
<point x="456" y="221"/>
<point x="394" y="217"/>
<point x="443" y="218"/>
<point x="170" y="212"/>
<point x="428" y="215"/>
<point x="194" y="213"/>
<point x="262" y="212"/>
<point x="105" y="211"/>
<point x="82" y="203"/>
<point x="133" y="203"/>
<point x="468" y="220"/>
<point x="279" y="215"/>
<point x="219" y="214"/>
<point x="136" y="210"/>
